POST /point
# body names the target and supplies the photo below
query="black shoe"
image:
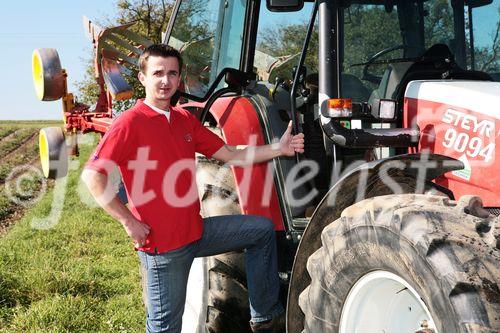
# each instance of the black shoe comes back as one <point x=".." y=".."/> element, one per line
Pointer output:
<point x="275" y="325"/>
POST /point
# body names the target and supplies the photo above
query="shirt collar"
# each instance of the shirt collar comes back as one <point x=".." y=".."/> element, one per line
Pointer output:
<point x="160" y="111"/>
<point x="149" y="110"/>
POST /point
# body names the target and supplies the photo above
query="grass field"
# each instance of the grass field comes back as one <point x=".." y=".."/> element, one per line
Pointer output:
<point x="81" y="275"/>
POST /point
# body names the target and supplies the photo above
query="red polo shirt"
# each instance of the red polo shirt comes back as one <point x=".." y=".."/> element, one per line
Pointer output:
<point x="156" y="158"/>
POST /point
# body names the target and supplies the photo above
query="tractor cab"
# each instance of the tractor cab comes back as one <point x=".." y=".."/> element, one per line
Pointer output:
<point x="355" y="58"/>
<point x="376" y="87"/>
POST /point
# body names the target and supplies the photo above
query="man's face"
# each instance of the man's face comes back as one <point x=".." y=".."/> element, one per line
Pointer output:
<point x="161" y="78"/>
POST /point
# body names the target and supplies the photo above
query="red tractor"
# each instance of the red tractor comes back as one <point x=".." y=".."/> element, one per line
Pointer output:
<point x="389" y="220"/>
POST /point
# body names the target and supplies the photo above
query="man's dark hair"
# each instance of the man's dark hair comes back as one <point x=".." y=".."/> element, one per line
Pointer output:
<point x="158" y="50"/>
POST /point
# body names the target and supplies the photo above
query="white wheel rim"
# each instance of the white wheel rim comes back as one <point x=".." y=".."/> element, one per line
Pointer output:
<point x="381" y="301"/>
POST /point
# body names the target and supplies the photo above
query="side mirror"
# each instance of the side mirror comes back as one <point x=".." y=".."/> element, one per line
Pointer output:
<point x="236" y="78"/>
<point x="284" y="5"/>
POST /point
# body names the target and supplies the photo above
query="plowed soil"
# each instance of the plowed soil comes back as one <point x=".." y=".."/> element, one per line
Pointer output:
<point x="18" y="154"/>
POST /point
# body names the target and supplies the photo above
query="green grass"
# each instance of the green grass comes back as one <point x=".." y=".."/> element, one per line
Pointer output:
<point x="81" y="275"/>
<point x="6" y="209"/>
<point x="24" y="190"/>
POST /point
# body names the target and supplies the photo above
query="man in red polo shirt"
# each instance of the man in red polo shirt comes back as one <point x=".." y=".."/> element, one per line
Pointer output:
<point x="154" y="144"/>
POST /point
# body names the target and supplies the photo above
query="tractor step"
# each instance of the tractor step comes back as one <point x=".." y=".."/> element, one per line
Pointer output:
<point x="300" y="222"/>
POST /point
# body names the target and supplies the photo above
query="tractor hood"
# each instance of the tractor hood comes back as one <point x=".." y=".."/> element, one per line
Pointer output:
<point x="478" y="96"/>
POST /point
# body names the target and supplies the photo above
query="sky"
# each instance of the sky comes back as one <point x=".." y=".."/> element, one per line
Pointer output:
<point x="28" y="24"/>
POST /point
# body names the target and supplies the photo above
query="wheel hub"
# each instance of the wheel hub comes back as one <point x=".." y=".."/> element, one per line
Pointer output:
<point x="381" y="301"/>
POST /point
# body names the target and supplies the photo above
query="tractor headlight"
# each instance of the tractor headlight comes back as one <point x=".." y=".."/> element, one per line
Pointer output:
<point x="386" y="109"/>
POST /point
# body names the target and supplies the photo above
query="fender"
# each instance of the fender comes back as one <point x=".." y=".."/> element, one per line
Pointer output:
<point x="241" y="126"/>
<point x="255" y="114"/>
<point x="341" y="196"/>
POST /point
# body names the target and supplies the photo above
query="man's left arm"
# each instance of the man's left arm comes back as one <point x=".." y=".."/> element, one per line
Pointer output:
<point x="287" y="146"/>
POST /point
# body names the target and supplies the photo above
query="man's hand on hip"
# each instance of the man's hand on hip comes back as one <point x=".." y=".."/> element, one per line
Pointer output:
<point x="137" y="230"/>
<point x="97" y="184"/>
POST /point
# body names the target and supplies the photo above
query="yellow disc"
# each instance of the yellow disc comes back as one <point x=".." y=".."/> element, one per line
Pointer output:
<point x="44" y="153"/>
<point x="37" y="70"/>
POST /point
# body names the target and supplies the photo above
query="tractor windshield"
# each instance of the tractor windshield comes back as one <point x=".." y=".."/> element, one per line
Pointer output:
<point x="209" y="35"/>
<point x="375" y="38"/>
<point x="382" y="41"/>
<point x="382" y="37"/>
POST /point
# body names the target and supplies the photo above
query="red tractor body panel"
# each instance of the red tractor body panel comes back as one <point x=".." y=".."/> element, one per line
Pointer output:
<point x="461" y="120"/>
<point x="240" y="126"/>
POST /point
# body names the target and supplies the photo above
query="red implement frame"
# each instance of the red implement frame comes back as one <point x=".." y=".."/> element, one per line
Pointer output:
<point x="113" y="48"/>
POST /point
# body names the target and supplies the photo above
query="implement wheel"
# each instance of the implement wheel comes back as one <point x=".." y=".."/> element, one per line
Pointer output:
<point x="53" y="152"/>
<point x="48" y="76"/>
<point x="406" y="263"/>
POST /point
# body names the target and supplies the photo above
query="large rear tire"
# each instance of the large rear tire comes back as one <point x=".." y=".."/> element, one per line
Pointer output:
<point x="406" y="263"/>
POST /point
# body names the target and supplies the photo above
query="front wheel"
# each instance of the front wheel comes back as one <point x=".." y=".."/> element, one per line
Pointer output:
<point x="405" y="263"/>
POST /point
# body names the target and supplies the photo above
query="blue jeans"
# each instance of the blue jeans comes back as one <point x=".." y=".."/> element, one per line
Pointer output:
<point x="166" y="274"/>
